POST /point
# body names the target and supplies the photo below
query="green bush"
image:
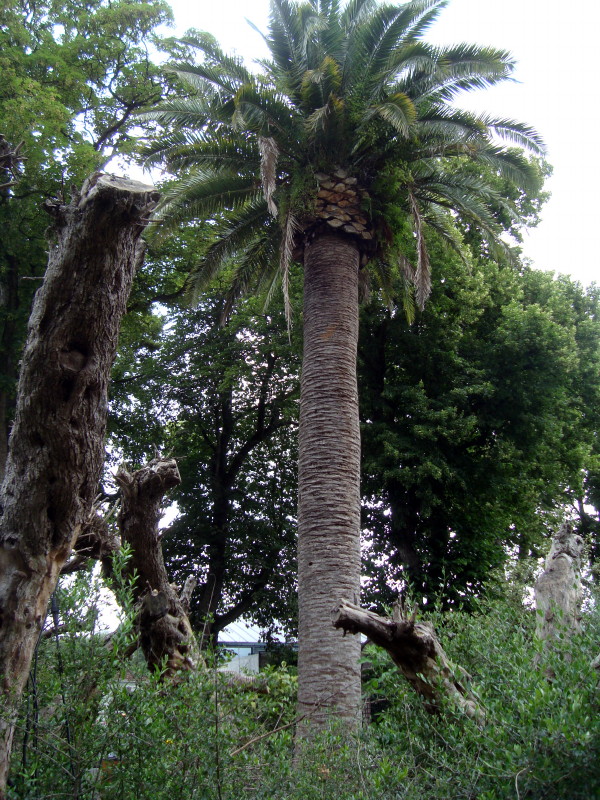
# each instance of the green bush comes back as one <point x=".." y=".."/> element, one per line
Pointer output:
<point x="97" y="726"/>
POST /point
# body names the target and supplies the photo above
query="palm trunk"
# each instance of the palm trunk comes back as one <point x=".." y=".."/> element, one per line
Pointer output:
<point x="329" y="475"/>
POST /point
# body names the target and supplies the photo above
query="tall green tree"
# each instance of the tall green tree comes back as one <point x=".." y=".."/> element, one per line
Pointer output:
<point x="477" y="426"/>
<point x="347" y="137"/>
<point x="223" y="401"/>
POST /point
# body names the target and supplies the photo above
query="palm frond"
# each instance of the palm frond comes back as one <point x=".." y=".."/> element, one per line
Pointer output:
<point x="442" y="221"/>
<point x="510" y="164"/>
<point x="200" y="77"/>
<point x="190" y="149"/>
<point x="186" y="112"/>
<point x="422" y="275"/>
<point x="388" y="37"/>
<point x="441" y="127"/>
<point x="256" y="268"/>
<point x="363" y="44"/>
<point x="404" y="30"/>
<point x="423" y="19"/>
<point x="516" y="132"/>
<point x="332" y="38"/>
<point x="354" y="13"/>
<point x="318" y="84"/>
<point x="265" y="113"/>
<point x="232" y="235"/>
<point x="288" y="38"/>
<point x="290" y="229"/>
<point x="398" y="111"/>
<point x="231" y="65"/>
<point x="407" y="294"/>
<point x="201" y="195"/>
<point x="269" y="152"/>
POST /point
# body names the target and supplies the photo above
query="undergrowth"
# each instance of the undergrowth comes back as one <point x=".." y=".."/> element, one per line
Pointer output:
<point x="96" y="726"/>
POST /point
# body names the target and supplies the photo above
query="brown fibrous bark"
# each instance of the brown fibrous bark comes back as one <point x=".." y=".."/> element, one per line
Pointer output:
<point x="328" y="484"/>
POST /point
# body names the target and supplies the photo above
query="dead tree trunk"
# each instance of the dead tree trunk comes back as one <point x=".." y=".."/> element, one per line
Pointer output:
<point x="558" y="589"/>
<point x="56" y="448"/>
<point x="165" y="633"/>
<point x="417" y="652"/>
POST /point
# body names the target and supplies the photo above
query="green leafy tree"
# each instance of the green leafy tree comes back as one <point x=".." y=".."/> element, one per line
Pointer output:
<point x="73" y="75"/>
<point x="345" y="140"/>
<point x="223" y="400"/>
<point x="478" y="426"/>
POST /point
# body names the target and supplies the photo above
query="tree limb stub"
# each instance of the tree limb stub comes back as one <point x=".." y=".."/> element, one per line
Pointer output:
<point x="56" y="447"/>
<point x="165" y="632"/>
<point x="97" y="540"/>
<point x="417" y="652"/>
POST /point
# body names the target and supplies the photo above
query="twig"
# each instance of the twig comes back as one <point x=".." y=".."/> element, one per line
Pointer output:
<point x="269" y="733"/>
<point x="283" y="727"/>
<point x="517" y="782"/>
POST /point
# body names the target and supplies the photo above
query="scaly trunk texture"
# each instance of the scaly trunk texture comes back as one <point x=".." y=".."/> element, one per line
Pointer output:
<point x="558" y="589"/>
<point x="418" y="654"/>
<point x="56" y="448"/>
<point x="329" y="491"/>
<point x="165" y="633"/>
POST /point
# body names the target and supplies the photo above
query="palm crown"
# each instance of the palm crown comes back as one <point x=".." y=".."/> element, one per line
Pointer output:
<point x="351" y="89"/>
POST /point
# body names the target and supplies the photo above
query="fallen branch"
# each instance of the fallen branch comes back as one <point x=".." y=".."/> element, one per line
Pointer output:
<point x="417" y="652"/>
<point x="267" y="734"/>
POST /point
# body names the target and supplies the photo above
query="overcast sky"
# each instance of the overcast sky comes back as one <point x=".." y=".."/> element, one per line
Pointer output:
<point x="556" y="91"/>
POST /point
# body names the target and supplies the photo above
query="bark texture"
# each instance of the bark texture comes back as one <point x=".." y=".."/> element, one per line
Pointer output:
<point x="418" y="654"/>
<point x="57" y="443"/>
<point x="165" y="633"/>
<point x="558" y="594"/>
<point x="329" y="475"/>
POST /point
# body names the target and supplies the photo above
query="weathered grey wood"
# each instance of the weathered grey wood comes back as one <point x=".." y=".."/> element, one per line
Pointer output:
<point x="417" y="652"/>
<point x="558" y="593"/>
<point x="56" y="448"/>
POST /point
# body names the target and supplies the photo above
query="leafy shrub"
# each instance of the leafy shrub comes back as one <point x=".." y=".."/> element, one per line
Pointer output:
<point x="97" y="726"/>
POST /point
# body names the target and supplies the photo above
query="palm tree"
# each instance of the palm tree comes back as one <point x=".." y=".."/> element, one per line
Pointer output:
<point x="345" y="138"/>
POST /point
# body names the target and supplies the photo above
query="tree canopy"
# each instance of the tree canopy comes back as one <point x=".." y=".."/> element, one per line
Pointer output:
<point x="73" y="76"/>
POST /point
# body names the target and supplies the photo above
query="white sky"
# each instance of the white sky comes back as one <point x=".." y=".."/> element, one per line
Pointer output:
<point x="556" y="46"/>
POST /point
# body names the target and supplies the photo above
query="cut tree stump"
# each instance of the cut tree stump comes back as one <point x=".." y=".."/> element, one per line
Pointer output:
<point x="558" y="593"/>
<point x="165" y="633"/>
<point x="56" y="448"/>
